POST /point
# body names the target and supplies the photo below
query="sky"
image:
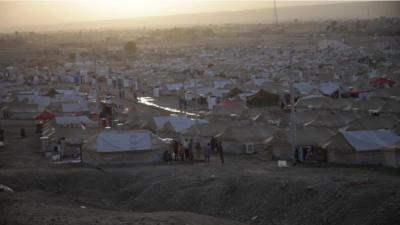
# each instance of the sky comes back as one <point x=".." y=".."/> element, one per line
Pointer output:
<point x="27" y="13"/>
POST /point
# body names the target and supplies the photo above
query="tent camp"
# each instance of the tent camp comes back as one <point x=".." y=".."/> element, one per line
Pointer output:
<point x="360" y="147"/>
<point x="116" y="147"/>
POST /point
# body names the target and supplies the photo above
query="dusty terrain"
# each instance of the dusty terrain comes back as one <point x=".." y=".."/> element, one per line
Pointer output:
<point x="247" y="189"/>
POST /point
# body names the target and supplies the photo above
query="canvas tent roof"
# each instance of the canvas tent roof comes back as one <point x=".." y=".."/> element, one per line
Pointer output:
<point x="330" y="121"/>
<point x="368" y="140"/>
<point x="249" y="133"/>
<point x="312" y="101"/>
<point x="306" y="135"/>
<point x="328" y="88"/>
<point x="373" y="123"/>
<point x="120" y="141"/>
<point x="205" y="129"/>
<point x="73" y="120"/>
<point x="228" y="108"/>
<point x="75" y="107"/>
<point x="178" y="123"/>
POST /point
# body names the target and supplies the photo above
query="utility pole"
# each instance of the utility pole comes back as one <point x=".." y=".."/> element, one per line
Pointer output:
<point x="275" y="14"/>
<point x="97" y="87"/>
<point x="293" y="137"/>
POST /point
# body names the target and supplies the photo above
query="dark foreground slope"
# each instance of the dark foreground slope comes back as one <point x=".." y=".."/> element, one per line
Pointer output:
<point x="246" y="189"/>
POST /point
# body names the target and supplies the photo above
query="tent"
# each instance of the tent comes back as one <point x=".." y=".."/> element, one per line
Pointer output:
<point x="392" y="155"/>
<point x="334" y="120"/>
<point x="75" y="107"/>
<point x="45" y="115"/>
<point x="245" y="138"/>
<point x="233" y="92"/>
<point x="227" y="108"/>
<point x="262" y="99"/>
<point x="117" y="147"/>
<point x="373" y="123"/>
<point x="305" y="136"/>
<point x="360" y="147"/>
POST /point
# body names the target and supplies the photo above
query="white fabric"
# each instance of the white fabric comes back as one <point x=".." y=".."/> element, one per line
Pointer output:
<point x="368" y="140"/>
<point x="123" y="141"/>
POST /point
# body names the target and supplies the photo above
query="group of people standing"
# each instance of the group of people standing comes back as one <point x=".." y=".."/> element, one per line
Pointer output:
<point x="188" y="150"/>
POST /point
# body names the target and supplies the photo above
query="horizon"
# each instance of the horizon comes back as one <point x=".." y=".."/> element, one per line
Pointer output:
<point x="47" y="13"/>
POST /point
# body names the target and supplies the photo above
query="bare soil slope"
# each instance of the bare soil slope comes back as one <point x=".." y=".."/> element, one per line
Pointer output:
<point x="246" y="189"/>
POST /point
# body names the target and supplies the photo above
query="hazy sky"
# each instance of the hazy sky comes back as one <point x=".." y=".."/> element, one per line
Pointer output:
<point x="22" y="13"/>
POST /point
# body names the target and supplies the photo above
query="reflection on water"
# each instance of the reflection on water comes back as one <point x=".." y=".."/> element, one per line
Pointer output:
<point x="150" y="102"/>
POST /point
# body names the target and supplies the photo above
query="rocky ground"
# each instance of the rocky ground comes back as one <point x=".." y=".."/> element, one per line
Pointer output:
<point x="247" y="190"/>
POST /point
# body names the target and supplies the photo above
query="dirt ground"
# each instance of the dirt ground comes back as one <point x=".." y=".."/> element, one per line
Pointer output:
<point x="246" y="190"/>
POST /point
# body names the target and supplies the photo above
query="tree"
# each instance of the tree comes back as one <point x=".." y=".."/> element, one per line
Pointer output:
<point x="130" y="48"/>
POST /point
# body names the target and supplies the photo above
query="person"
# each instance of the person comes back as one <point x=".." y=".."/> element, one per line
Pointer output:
<point x="186" y="148"/>
<point x="198" y="150"/>
<point x="23" y="135"/>
<point x="213" y="143"/>
<point x="176" y="150"/>
<point x="191" y="150"/>
<point x="181" y="151"/>
<point x="220" y="149"/>
<point x="207" y="153"/>
<point x="1" y="134"/>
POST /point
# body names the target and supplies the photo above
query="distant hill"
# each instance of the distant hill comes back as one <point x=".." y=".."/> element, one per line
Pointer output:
<point x="348" y="10"/>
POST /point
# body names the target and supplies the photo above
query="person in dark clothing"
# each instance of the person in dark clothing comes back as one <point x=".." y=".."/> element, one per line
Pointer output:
<point x="220" y="149"/>
<point x="213" y="143"/>
<point x="181" y="151"/>
<point x="176" y="150"/>
<point x="23" y="134"/>
<point x="1" y="134"/>
<point x="207" y="153"/>
<point x="191" y="150"/>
